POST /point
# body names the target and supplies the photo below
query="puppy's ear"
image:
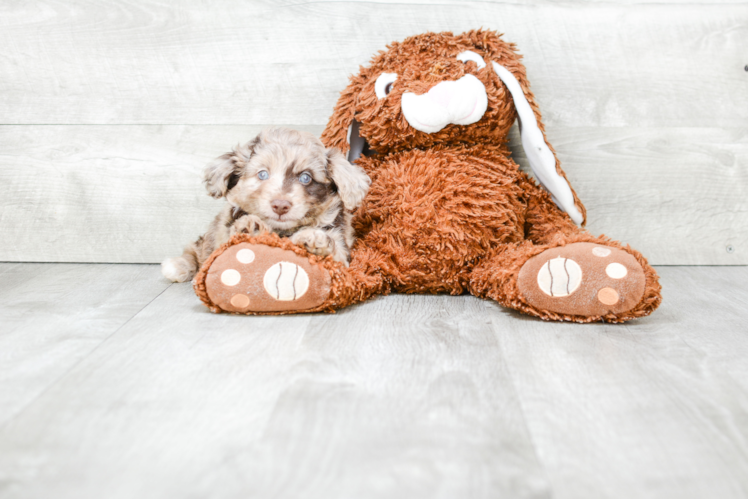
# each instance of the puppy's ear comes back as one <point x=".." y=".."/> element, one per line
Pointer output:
<point x="222" y="174"/>
<point x="351" y="180"/>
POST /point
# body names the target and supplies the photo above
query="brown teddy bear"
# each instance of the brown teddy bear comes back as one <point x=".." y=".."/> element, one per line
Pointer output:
<point x="448" y="210"/>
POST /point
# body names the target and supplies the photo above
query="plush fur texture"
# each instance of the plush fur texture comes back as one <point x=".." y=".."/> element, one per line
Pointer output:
<point x="449" y="211"/>
<point x="286" y="182"/>
<point x="421" y="62"/>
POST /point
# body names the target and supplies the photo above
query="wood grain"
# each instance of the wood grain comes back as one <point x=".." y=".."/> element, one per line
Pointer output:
<point x="53" y="316"/>
<point x="669" y="64"/>
<point x="402" y="396"/>
<point x="134" y="193"/>
<point x="654" y="408"/>
<point x="726" y="296"/>
<point x="420" y="391"/>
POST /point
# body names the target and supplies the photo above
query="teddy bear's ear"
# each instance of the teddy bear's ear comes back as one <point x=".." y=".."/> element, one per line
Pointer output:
<point x="342" y="129"/>
<point x="338" y="127"/>
<point x="539" y="153"/>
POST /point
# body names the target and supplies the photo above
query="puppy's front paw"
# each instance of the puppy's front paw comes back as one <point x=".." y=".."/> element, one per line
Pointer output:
<point x="315" y="241"/>
<point x="177" y="270"/>
<point x="249" y="224"/>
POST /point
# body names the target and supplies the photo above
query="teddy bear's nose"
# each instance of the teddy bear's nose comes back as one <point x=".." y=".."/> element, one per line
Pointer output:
<point x="441" y="94"/>
<point x="280" y="207"/>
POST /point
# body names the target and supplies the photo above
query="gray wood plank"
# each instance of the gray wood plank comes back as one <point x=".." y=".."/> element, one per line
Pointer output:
<point x="134" y="193"/>
<point x="670" y="63"/>
<point x="403" y="396"/>
<point x="727" y="298"/>
<point x="654" y="408"/>
<point x="406" y="396"/>
<point x="53" y="316"/>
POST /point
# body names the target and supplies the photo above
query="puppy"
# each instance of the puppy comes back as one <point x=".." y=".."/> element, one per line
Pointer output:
<point x="282" y="181"/>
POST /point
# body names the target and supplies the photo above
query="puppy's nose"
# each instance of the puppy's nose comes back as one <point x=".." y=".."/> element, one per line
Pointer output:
<point x="280" y="207"/>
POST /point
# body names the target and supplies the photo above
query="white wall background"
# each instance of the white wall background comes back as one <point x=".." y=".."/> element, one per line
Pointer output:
<point x="110" y="109"/>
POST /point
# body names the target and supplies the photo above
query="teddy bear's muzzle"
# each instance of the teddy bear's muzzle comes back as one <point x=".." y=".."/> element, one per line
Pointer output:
<point x="460" y="102"/>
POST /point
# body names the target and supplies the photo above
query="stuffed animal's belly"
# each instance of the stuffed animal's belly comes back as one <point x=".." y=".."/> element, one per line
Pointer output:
<point x="437" y="212"/>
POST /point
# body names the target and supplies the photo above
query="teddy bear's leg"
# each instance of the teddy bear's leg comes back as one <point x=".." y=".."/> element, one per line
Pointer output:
<point x="269" y="275"/>
<point x="563" y="272"/>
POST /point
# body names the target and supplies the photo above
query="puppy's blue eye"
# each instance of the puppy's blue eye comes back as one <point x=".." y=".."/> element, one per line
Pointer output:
<point x="263" y="175"/>
<point x="305" y="178"/>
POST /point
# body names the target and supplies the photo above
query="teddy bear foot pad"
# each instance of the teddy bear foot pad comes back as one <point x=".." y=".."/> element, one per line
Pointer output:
<point x="582" y="279"/>
<point x="253" y="278"/>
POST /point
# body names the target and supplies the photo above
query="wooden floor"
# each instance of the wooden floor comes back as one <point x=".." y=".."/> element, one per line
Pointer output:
<point x="114" y="382"/>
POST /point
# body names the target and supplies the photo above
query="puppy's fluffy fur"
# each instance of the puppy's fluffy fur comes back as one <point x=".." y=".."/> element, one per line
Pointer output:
<point x="282" y="181"/>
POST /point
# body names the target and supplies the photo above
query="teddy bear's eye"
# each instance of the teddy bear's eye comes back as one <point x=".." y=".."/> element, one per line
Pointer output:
<point x="469" y="55"/>
<point x="263" y="175"/>
<point x="305" y="178"/>
<point x="383" y="85"/>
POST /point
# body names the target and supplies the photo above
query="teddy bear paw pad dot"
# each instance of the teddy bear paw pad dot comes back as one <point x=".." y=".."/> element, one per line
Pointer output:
<point x="583" y="279"/>
<point x="259" y="278"/>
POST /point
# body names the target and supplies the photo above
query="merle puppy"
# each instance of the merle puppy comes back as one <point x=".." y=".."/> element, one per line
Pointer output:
<point x="282" y="181"/>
